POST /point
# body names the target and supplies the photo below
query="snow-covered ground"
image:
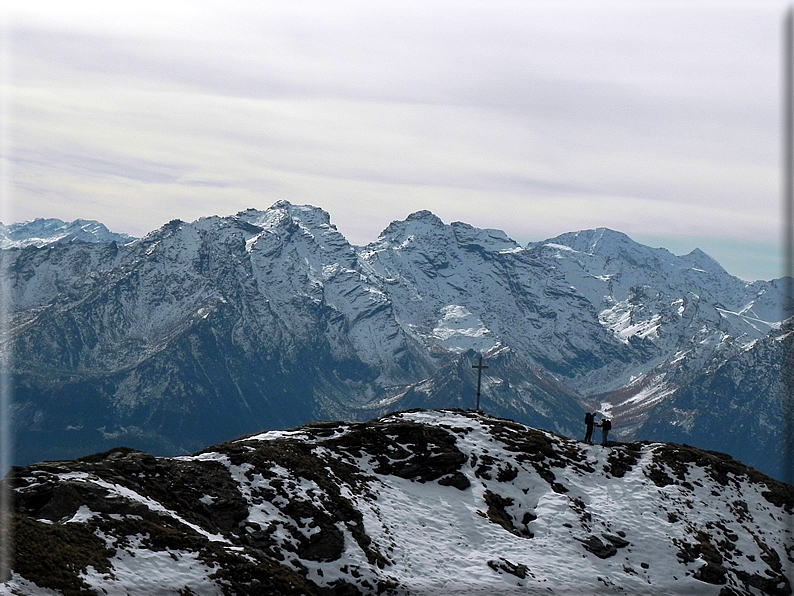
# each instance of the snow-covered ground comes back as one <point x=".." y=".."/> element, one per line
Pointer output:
<point x="426" y="503"/>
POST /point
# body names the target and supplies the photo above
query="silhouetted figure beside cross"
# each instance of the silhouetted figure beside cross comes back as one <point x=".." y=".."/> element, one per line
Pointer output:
<point x="589" y="421"/>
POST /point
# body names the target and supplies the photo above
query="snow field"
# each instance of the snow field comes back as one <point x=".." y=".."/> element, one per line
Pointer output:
<point x="152" y="572"/>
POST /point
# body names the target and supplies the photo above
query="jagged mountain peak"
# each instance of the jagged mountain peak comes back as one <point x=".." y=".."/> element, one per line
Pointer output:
<point x="703" y="262"/>
<point x="627" y="266"/>
<point x="284" y="219"/>
<point x="425" y="229"/>
<point x="592" y="241"/>
<point x="257" y="231"/>
<point x="426" y="216"/>
<point x="404" y="232"/>
<point x="418" y="502"/>
<point x="602" y="242"/>
<point x="487" y="238"/>
<point x="282" y="214"/>
<point x="610" y="244"/>
<point x="307" y="213"/>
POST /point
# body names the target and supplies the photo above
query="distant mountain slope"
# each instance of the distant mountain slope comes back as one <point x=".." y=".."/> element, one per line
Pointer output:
<point x="741" y="402"/>
<point x="206" y="330"/>
<point x="43" y="232"/>
<point x="420" y="503"/>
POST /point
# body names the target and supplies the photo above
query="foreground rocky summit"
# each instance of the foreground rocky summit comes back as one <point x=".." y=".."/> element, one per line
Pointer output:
<point x="421" y="502"/>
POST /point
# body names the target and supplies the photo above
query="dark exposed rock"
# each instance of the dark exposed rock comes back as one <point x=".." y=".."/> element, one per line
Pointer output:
<point x="773" y="585"/>
<point x="711" y="573"/>
<point x="503" y="565"/>
<point x="617" y="541"/>
<point x="658" y="476"/>
<point x="326" y="545"/>
<point x="497" y="513"/>
<point x="594" y="545"/>
<point x="622" y="459"/>
<point x="432" y="453"/>
<point x="458" y="480"/>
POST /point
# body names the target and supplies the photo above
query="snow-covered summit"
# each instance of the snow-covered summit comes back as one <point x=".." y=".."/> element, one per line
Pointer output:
<point x="702" y="262"/>
<point x="419" y="502"/>
<point x="309" y="216"/>
<point x="595" y="241"/>
<point x="424" y="229"/>
<point x="41" y="232"/>
<point x="603" y="246"/>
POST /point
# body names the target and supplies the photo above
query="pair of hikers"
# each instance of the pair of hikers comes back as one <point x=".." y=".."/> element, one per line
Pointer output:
<point x="589" y="422"/>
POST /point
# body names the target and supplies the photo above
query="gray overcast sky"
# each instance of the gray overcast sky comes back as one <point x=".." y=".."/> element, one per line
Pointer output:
<point x="658" y="119"/>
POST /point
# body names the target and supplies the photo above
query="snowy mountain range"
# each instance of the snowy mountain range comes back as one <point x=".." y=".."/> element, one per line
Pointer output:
<point x="416" y="503"/>
<point x="203" y="331"/>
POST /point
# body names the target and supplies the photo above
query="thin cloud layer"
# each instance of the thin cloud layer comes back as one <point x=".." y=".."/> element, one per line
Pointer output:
<point x="660" y="120"/>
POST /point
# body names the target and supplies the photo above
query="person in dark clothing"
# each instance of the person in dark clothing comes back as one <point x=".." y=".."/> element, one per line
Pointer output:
<point x="606" y="426"/>
<point x="589" y="420"/>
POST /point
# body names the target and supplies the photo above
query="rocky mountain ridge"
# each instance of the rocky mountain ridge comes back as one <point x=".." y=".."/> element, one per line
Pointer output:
<point x="267" y="319"/>
<point x="415" y="503"/>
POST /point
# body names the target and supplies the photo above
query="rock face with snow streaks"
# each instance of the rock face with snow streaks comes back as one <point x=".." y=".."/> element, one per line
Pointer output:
<point x="266" y="319"/>
<point x="420" y="502"/>
<point x="753" y="387"/>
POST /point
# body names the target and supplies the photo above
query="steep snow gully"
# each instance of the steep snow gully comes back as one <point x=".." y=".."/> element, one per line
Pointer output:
<point x="419" y="502"/>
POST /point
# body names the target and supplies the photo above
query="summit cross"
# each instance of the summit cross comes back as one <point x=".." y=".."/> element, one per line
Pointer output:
<point x="479" y="368"/>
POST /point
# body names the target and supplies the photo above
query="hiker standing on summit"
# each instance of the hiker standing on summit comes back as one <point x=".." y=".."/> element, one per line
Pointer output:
<point x="606" y="426"/>
<point x="589" y="421"/>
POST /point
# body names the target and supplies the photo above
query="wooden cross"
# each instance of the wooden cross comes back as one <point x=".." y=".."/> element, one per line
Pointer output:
<point x="479" y="368"/>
